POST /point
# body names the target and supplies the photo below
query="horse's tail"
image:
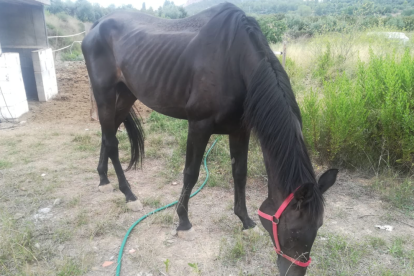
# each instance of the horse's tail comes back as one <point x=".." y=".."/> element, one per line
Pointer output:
<point x="136" y="138"/>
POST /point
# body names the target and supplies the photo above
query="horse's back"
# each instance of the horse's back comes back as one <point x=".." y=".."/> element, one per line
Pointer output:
<point x="169" y="65"/>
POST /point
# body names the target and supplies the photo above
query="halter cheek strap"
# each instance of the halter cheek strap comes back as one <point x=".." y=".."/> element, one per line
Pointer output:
<point x="275" y="221"/>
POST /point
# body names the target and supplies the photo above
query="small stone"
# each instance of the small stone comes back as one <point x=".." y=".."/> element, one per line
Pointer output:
<point x="170" y="241"/>
<point x="131" y="251"/>
<point x="22" y="122"/>
<point x="18" y="216"/>
<point x="61" y="247"/>
<point x="95" y="268"/>
<point x="173" y="232"/>
<point x="23" y="189"/>
<point x="112" y="257"/>
<point x="174" y="183"/>
<point x="43" y="174"/>
<point x="37" y="245"/>
<point x="57" y="201"/>
<point x="45" y="210"/>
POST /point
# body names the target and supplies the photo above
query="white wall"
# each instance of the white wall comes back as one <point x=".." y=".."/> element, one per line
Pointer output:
<point x="13" y="101"/>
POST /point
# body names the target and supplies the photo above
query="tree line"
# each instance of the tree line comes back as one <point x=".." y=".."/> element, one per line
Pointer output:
<point x="292" y="17"/>
<point x="86" y="11"/>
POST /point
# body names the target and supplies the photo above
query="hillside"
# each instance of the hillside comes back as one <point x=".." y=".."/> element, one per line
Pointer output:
<point x="305" y="8"/>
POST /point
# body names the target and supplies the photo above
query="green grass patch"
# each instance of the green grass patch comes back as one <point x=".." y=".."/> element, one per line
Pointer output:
<point x="151" y="202"/>
<point x="16" y="245"/>
<point x="70" y="267"/>
<point x="5" y="164"/>
<point x="85" y="142"/>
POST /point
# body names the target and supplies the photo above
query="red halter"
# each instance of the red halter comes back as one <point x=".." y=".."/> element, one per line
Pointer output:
<point x="275" y="221"/>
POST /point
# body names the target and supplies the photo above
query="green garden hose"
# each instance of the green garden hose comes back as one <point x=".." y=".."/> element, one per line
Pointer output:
<point x="121" y="250"/>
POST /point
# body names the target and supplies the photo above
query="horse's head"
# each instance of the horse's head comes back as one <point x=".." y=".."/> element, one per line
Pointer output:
<point x="293" y="222"/>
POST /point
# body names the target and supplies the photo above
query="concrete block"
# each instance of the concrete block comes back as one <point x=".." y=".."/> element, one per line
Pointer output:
<point x="45" y="74"/>
<point x="14" y="111"/>
<point x="12" y="60"/>
<point x="2" y="61"/>
<point x="13" y="101"/>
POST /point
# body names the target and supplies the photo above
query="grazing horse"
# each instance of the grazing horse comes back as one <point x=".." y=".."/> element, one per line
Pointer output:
<point x="217" y="71"/>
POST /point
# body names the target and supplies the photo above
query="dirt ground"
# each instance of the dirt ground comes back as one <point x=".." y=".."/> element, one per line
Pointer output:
<point x="82" y="228"/>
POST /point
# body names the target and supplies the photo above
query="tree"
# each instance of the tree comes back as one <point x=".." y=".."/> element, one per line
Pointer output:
<point x="304" y="10"/>
<point x="143" y="9"/>
<point x="272" y="27"/>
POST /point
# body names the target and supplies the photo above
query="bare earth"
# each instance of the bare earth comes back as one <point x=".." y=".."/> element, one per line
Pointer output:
<point x="88" y="226"/>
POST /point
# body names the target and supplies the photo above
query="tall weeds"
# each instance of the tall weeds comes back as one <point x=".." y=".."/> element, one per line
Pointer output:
<point x="366" y="119"/>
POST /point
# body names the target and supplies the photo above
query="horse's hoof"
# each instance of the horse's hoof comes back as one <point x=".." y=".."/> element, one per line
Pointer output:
<point x="106" y="189"/>
<point x="135" y="206"/>
<point x="255" y="230"/>
<point x="187" y="235"/>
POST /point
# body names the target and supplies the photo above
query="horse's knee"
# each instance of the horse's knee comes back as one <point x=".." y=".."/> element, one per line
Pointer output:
<point x="190" y="177"/>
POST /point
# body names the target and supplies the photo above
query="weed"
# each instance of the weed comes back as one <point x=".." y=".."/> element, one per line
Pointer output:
<point x="163" y="218"/>
<point x="74" y="201"/>
<point x="396" y="248"/>
<point x="16" y="244"/>
<point x="377" y="243"/>
<point x="167" y="265"/>
<point x="120" y="205"/>
<point x="85" y="143"/>
<point x="81" y="218"/>
<point x="62" y="235"/>
<point x="152" y="202"/>
<point x="70" y="267"/>
<point x="195" y="268"/>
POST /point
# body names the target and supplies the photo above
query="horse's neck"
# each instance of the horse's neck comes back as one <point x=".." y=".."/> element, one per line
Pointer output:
<point x="275" y="189"/>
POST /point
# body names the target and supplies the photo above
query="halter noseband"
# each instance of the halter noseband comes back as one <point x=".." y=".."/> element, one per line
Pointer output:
<point x="275" y="221"/>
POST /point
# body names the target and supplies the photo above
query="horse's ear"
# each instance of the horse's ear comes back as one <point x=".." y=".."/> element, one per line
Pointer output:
<point x="327" y="179"/>
<point x="304" y="193"/>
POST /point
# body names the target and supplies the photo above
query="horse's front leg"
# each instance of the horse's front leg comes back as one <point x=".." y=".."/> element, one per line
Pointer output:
<point x="199" y="133"/>
<point x="239" y="147"/>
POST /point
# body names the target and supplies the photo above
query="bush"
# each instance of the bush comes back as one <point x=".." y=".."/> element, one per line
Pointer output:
<point x="74" y="56"/>
<point x="369" y="117"/>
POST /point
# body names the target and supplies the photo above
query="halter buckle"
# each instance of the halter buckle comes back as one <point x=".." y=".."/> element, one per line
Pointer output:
<point x="275" y="220"/>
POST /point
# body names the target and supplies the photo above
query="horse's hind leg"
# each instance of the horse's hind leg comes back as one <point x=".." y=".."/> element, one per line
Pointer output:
<point x="239" y="147"/>
<point x="112" y="111"/>
<point x="198" y="135"/>
<point x="124" y="103"/>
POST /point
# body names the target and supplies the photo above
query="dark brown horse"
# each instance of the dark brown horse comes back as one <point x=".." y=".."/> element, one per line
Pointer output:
<point x="217" y="71"/>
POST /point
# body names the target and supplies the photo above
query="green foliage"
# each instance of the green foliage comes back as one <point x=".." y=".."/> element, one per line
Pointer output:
<point x="72" y="56"/>
<point x="273" y="27"/>
<point x="366" y="118"/>
<point x="85" y="11"/>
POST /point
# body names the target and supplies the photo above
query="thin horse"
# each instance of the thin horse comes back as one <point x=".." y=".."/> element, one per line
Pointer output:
<point x="217" y="71"/>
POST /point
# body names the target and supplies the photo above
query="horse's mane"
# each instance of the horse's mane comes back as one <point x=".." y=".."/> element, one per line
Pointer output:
<point x="271" y="110"/>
